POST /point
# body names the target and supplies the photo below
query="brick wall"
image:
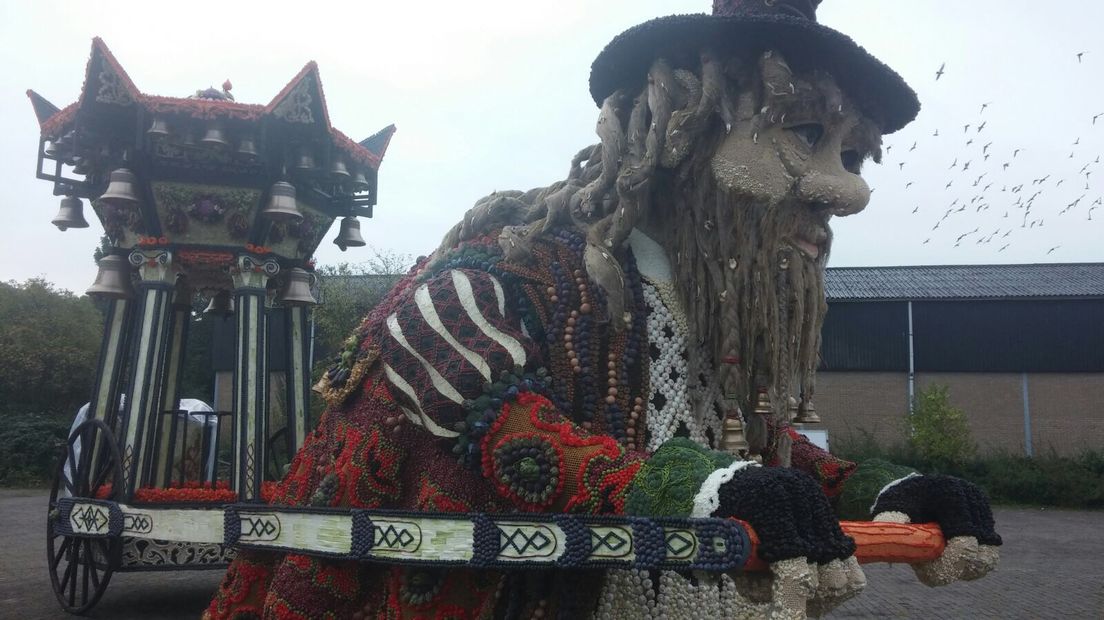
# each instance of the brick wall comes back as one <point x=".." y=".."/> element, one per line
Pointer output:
<point x="1067" y="410"/>
<point x="853" y="403"/>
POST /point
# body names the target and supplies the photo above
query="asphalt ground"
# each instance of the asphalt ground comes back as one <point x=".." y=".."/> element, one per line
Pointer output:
<point x="1052" y="566"/>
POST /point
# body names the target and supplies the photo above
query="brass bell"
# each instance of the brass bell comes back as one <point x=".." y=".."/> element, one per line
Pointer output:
<point x="80" y="165"/>
<point x="349" y="235"/>
<point x="360" y="182"/>
<point x="113" y="279"/>
<point x="247" y="148"/>
<point x="159" y="128"/>
<point x="122" y="191"/>
<point x="281" y="205"/>
<point x="338" y="170"/>
<point x="806" y="413"/>
<point x="763" y="403"/>
<point x="296" y="290"/>
<point x="220" y="306"/>
<point x="50" y="149"/>
<point x="306" y="160"/>
<point x="71" y="214"/>
<point x="215" y="137"/>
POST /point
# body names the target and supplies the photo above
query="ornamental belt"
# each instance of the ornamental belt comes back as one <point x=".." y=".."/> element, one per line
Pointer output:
<point x="478" y="540"/>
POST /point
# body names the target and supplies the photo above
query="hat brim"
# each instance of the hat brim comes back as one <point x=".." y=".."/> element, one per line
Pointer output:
<point x="879" y="92"/>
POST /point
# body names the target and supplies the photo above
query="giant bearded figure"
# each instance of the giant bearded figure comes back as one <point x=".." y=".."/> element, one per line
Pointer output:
<point x="592" y="346"/>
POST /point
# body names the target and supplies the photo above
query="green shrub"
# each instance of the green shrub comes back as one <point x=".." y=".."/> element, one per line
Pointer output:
<point x="1043" y="480"/>
<point x="937" y="431"/>
<point x="30" y="447"/>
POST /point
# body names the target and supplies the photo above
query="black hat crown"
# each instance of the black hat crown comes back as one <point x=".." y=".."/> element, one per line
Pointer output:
<point x="802" y="9"/>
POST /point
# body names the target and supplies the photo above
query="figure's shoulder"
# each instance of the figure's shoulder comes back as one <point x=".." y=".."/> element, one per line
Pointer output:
<point x="515" y="259"/>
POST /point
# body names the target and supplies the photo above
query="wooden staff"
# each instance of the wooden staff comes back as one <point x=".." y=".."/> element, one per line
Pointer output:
<point x="875" y="541"/>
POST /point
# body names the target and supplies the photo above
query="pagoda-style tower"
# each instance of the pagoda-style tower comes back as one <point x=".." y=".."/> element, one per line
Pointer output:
<point x="202" y="194"/>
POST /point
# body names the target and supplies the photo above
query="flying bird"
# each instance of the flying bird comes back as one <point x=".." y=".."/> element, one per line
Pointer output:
<point x="913" y="147"/>
<point x="926" y="241"/>
<point x="1052" y="249"/>
<point x="901" y="166"/>
<point x="954" y="164"/>
<point x="939" y="74"/>
<point x="936" y="134"/>
<point x="908" y="185"/>
<point x="1015" y="153"/>
<point x="982" y="126"/>
<point x="1096" y="116"/>
<point x="1004" y="247"/>
<point x="985" y="149"/>
<point x="1079" y="55"/>
<point x="966" y="128"/>
<point x="916" y="209"/>
<point x="983" y="106"/>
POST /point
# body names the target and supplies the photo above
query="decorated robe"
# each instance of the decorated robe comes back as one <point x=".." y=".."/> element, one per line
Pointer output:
<point x="487" y="385"/>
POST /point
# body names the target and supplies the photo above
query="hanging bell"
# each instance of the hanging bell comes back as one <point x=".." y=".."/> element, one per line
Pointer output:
<point x="349" y="235"/>
<point x="306" y="160"/>
<point x="113" y="279"/>
<point x="122" y="191"/>
<point x="806" y="413"/>
<point x="338" y="170"/>
<point x="360" y="182"/>
<point x="80" y="165"/>
<point x="281" y="206"/>
<point x="215" y="137"/>
<point x="247" y="148"/>
<point x="71" y="214"/>
<point x="220" y="306"/>
<point x="158" y="129"/>
<point x="763" y="403"/>
<point x="296" y="291"/>
<point x="50" y="149"/>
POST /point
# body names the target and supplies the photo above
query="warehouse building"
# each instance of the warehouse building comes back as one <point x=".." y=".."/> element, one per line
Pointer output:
<point x="1020" y="347"/>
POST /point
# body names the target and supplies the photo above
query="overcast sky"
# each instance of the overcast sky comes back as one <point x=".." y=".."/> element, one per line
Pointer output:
<point x="493" y="95"/>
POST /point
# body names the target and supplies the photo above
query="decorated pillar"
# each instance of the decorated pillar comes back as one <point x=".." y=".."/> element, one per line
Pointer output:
<point x="250" y="276"/>
<point x="104" y="403"/>
<point x="298" y="375"/>
<point x="143" y="404"/>
<point x="170" y="393"/>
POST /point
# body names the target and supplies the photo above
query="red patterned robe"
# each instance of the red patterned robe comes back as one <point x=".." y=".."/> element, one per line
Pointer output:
<point x="469" y="367"/>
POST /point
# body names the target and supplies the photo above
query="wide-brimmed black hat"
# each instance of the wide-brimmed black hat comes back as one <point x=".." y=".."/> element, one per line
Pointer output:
<point x="788" y="26"/>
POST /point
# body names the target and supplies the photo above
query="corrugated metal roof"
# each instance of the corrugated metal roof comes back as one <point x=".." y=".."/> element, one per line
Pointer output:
<point x="965" y="282"/>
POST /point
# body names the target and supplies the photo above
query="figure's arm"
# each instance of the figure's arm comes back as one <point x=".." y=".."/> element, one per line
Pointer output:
<point x="456" y="355"/>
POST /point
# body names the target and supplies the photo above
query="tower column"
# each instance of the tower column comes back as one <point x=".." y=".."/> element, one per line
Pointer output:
<point x="250" y="276"/>
<point x="148" y="345"/>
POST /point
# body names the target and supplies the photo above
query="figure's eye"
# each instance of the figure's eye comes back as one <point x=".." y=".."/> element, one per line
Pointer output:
<point x="852" y="160"/>
<point x="810" y="133"/>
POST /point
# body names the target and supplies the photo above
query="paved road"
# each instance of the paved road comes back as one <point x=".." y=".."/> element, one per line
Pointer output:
<point x="1052" y="567"/>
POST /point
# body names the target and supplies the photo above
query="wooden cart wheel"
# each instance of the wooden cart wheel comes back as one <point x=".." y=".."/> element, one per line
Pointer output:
<point x="81" y="567"/>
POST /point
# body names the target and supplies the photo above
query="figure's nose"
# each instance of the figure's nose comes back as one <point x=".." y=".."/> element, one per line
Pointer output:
<point x="833" y="188"/>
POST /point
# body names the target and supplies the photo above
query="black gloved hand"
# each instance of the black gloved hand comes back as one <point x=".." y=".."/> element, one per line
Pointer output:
<point x="788" y="511"/>
<point x="958" y="506"/>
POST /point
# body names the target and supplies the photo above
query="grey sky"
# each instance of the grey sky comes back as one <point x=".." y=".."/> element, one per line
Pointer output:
<point x="493" y="95"/>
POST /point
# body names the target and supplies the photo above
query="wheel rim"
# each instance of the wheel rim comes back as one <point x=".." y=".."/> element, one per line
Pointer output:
<point x="81" y="567"/>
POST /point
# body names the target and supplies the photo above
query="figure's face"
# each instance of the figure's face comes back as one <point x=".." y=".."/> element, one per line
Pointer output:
<point x="798" y="155"/>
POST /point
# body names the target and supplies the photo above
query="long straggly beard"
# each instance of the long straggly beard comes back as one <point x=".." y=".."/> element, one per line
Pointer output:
<point x="755" y="302"/>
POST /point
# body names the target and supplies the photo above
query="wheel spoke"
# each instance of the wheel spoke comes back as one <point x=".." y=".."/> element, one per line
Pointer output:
<point x="95" y="569"/>
<point x="70" y="575"/>
<point x="85" y="568"/>
<point x="60" y="552"/>
<point x="101" y="477"/>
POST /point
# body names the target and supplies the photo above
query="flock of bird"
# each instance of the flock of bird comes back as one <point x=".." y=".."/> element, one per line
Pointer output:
<point x="982" y="179"/>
